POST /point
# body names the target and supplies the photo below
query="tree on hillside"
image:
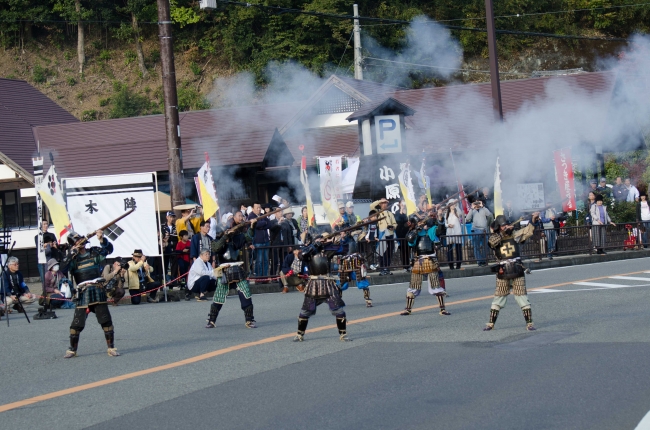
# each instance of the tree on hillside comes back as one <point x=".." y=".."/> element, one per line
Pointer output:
<point x="16" y="15"/>
<point x="138" y="10"/>
<point x="75" y="11"/>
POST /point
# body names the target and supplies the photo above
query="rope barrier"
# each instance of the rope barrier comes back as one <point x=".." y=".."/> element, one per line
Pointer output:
<point x="110" y="300"/>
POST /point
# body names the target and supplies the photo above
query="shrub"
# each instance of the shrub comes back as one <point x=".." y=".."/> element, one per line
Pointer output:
<point x="195" y="68"/>
<point x="71" y="81"/>
<point x="191" y="99"/>
<point x="89" y="115"/>
<point x="154" y="56"/>
<point x="127" y="103"/>
<point x="129" y="57"/>
<point x="40" y="74"/>
<point x="104" y="102"/>
<point x="105" y="55"/>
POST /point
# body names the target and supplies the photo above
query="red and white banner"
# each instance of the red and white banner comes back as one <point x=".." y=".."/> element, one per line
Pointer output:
<point x="564" y="175"/>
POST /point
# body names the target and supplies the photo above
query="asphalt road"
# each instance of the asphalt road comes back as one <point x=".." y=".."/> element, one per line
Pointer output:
<point x="586" y="367"/>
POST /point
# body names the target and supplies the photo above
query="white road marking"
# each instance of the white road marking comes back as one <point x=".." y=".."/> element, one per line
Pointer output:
<point x="644" y="424"/>
<point x="631" y="278"/>
<point x="600" y="284"/>
<point x="553" y="290"/>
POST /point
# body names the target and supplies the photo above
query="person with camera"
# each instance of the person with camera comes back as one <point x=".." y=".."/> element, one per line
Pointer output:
<point x="190" y="220"/>
<point x="453" y="232"/>
<point x="386" y="226"/>
<point x="139" y="279"/>
<point x="14" y="286"/>
<point x="115" y="275"/>
<point x="261" y="240"/>
<point x="169" y="241"/>
<point x="481" y="218"/>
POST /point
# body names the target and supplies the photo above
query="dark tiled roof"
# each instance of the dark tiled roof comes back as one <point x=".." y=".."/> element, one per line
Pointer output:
<point x="231" y="136"/>
<point x="369" y="109"/>
<point x="242" y="135"/>
<point x="362" y="91"/>
<point x="22" y="107"/>
<point x="474" y="103"/>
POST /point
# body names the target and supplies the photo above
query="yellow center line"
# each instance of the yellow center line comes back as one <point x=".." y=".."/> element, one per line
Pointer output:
<point x="218" y="352"/>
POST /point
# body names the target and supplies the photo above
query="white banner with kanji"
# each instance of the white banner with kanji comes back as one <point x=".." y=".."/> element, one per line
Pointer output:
<point x="330" y="185"/>
<point x="95" y="201"/>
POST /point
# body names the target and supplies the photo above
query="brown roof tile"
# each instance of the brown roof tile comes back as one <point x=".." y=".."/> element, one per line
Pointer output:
<point x="22" y="107"/>
<point x="238" y="135"/>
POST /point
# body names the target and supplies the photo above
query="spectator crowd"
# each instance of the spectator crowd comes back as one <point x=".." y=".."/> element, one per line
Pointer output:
<point x="272" y="242"/>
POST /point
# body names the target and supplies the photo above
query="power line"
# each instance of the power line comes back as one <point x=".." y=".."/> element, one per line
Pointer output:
<point x="441" y="68"/>
<point x="521" y="15"/>
<point x="344" y="51"/>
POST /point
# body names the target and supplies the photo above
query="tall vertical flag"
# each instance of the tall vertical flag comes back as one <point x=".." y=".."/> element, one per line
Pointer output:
<point x="406" y="186"/>
<point x="498" y="201"/>
<point x="38" y="179"/>
<point x="330" y="185"/>
<point x="564" y="177"/>
<point x="206" y="189"/>
<point x="304" y="178"/>
<point x="426" y="181"/>
<point x="52" y="194"/>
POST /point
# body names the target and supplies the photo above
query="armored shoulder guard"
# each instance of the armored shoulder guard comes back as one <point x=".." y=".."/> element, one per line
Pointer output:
<point x="494" y="240"/>
<point x="411" y="235"/>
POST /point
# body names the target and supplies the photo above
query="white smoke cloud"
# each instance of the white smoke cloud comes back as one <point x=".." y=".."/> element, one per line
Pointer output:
<point x="564" y="116"/>
<point x="427" y="43"/>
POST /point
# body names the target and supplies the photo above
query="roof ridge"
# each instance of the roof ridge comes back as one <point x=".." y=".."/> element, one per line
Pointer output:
<point x="476" y="84"/>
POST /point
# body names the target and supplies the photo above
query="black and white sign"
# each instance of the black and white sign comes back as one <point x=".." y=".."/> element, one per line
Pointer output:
<point x="94" y="201"/>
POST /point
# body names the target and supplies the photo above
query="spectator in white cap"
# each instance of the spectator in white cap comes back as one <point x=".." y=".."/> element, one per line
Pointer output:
<point x="226" y="217"/>
<point x="341" y="207"/>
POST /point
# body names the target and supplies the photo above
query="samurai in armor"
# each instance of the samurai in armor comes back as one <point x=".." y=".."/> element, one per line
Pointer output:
<point x="421" y="238"/>
<point x="352" y="267"/>
<point x="510" y="271"/>
<point x="352" y="273"/>
<point x="85" y="267"/>
<point x="229" y="249"/>
<point x="320" y="289"/>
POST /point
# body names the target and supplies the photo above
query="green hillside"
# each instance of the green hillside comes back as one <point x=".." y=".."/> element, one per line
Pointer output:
<point x="115" y="72"/>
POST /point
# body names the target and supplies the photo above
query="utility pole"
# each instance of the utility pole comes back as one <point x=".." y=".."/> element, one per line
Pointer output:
<point x="494" y="61"/>
<point x="172" y="124"/>
<point x="358" y="72"/>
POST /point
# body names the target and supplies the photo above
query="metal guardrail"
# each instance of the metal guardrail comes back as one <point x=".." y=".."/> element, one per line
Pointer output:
<point x="396" y="254"/>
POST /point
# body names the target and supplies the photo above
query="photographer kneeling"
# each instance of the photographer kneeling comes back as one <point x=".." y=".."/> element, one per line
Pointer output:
<point x="119" y="285"/>
<point x="139" y="279"/>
